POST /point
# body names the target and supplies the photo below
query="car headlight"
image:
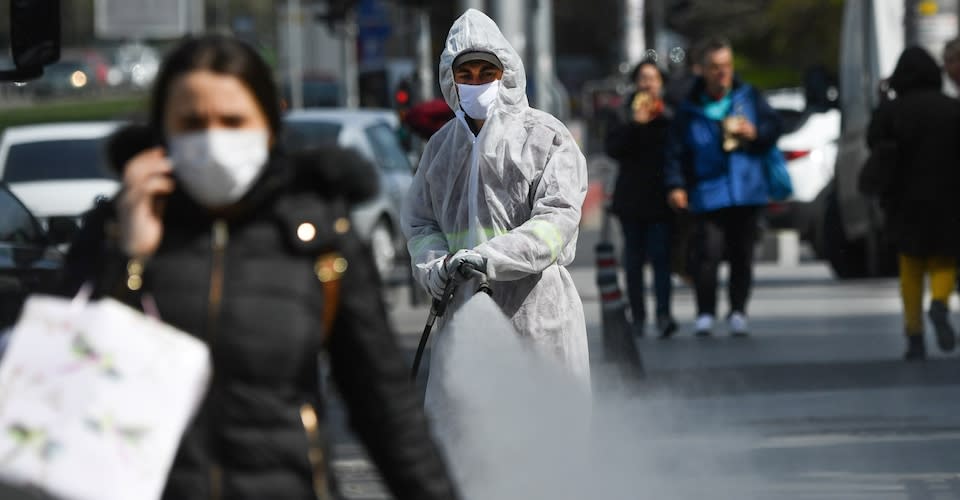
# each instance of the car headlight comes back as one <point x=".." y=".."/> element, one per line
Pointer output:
<point x="78" y="79"/>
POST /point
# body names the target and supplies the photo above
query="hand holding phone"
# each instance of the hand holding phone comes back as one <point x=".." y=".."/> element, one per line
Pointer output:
<point x="147" y="181"/>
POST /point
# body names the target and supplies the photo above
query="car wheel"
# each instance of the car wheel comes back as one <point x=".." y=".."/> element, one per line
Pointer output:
<point x="846" y="258"/>
<point x="384" y="248"/>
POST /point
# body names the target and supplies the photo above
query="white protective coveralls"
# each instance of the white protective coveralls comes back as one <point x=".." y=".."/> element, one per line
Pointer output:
<point x="513" y="194"/>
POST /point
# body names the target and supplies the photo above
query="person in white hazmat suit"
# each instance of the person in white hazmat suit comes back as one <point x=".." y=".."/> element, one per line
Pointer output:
<point x="499" y="187"/>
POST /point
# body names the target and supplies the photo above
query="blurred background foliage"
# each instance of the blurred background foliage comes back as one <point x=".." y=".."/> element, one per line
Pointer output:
<point x="774" y="40"/>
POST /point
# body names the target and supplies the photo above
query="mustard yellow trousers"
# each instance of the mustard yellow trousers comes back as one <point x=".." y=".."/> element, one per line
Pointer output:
<point x="943" y="277"/>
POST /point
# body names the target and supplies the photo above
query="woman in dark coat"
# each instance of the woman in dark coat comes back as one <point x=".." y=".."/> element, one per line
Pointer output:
<point x="913" y="138"/>
<point x="251" y="251"/>
<point x="640" y="198"/>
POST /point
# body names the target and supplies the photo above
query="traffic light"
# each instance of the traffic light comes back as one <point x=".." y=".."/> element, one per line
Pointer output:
<point x="402" y="97"/>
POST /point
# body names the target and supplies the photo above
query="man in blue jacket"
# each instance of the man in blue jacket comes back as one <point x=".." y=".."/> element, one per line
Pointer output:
<point x="715" y="169"/>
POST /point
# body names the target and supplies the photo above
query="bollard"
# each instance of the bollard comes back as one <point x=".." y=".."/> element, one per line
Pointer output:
<point x="788" y="248"/>
<point x="618" y="345"/>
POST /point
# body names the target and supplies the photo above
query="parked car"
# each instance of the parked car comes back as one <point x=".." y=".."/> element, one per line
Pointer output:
<point x="809" y="143"/>
<point x="29" y="260"/>
<point x="67" y="78"/>
<point x="372" y="133"/>
<point x="58" y="170"/>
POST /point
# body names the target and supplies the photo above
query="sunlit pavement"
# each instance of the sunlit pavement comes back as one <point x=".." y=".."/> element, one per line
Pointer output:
<point x="815" y="404"/>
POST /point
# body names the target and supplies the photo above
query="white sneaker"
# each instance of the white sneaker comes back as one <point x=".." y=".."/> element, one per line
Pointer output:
<point x="738" y="324"/>
<point x="704" y="325"/>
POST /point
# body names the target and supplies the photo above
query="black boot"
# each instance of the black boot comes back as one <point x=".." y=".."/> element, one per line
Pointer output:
<point x="916" y="350"/>
<point x="946" y="337"/>
<point x="667" y="326"/>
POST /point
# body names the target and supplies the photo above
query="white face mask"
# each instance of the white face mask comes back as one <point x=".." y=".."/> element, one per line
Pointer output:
<point x="218" y="167"/>
<point x="476" y="100"/>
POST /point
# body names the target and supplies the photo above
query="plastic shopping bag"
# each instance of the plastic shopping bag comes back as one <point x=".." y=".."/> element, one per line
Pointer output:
<point x="94" y="398"/>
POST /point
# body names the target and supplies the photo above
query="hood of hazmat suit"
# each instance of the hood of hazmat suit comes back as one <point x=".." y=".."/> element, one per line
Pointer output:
<point x="513" y="193"/>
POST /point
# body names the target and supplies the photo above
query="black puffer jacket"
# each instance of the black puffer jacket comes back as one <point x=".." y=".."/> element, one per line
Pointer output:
<point x="245" y="283"/>
<point x="640" y="192"/>
<point x="922" y="201"/>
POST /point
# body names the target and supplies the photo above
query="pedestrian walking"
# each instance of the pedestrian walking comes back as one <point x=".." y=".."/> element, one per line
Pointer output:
<point x="250" y="250"/>
<point x="640" y="198"/>
<point x="500" y="188"/>
<point x="914" y="169"/>
<point x="715" y="168"/>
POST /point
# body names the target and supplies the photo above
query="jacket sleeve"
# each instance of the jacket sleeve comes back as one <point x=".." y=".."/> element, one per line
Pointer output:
<point x="373" y="379"/>
<point x="769" y="125"/>
<point x="554" y="219"/>
<point x="426" y="242"/>
<point x="677" y="155"/>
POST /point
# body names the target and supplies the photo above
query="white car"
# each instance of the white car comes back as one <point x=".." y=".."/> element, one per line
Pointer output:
<point x="57" y="170"/>
<point x="809" y="143"/>
<point x="372" y="133"/>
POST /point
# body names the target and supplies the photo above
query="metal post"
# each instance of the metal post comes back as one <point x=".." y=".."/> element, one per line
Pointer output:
<point x="425" y="60"/>
<point x="511" y="17"/>
<point x="295" y="53"/>
<point x="351" y="84"/>
<point x="633" y="41"/>
<point x="472" y="4"/>
<point x="544" y="78"/>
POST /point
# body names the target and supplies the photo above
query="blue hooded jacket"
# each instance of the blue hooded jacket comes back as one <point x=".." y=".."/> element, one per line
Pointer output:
<point x="696" y="161"/>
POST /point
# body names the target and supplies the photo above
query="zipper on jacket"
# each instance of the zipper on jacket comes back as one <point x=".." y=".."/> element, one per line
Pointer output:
<point x="310" y="421"/>
<point x="219" y="238"/>
<point x="216" y="482"/>
<point x="473" y="183"/>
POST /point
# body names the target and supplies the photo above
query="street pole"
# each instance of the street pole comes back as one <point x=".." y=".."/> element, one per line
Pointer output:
<point x="351" y="73"/>
<point x="511" y="16"/>
<point x="544" y="79"/>
<point x="295" y="53"/>
<point x="633" y="41"/>
<point x="472" y="4"/>
<point x="425" y="60"/>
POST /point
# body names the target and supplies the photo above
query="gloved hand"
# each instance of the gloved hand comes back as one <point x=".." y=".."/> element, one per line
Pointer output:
<point x="456" y="264"/>
<point x="453" y="267"/>
<point x="437" y="279"/>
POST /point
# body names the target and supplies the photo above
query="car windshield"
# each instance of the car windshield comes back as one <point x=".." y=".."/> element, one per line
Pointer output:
<point x="792" y="119"/>
<point x="55" y="160"/>
<point x="301" y="135"/>
<point x="387" y="149"/>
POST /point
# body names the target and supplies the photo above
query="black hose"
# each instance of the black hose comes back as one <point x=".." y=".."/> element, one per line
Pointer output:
<point x="439" y="307"/>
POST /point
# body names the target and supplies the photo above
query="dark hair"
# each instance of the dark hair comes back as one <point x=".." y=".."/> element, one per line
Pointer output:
<point x="222" y="55"/>
<point x="711" y="45"/>
<point x="646" y="62"/>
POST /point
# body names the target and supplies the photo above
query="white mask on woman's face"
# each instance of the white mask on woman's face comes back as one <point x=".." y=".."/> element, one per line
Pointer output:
<point x="217" y="167"/>
<point x="476" y="100"/>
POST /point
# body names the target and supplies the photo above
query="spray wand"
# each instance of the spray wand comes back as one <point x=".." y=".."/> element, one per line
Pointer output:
<point x="439" y="307"/>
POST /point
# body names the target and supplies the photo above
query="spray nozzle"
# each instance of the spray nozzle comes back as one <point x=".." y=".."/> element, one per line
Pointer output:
<point x="472" y="272"/>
